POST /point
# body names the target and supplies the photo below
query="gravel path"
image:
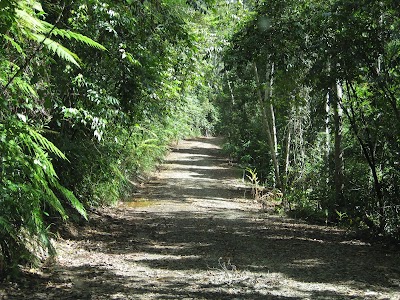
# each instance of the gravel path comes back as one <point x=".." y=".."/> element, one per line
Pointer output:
<point x="190" y="233"/>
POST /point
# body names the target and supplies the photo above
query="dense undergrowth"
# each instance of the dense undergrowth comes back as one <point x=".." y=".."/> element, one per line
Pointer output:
<point x="92" y="94"/>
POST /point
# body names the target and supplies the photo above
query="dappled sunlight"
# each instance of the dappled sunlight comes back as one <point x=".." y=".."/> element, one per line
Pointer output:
<point x="199" y="238"/>
<point x="162" y="274"/>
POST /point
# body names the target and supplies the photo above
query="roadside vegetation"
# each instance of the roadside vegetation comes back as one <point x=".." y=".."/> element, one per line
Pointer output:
<point x="311" y="104"/>
<point x="93" y="92"/>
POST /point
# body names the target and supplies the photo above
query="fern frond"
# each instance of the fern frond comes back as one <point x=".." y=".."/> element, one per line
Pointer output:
<point x="73" y="200"/>
<point x="6" y="228"/>
<point x="149" y="142"/>
<point x="37" y="6"/>
<point x="44" y="177"/>
<point x="29" y="23"/>
<point x="45" y="143"/>
<point x="25" y="87"/>
<point x="14" y="44"/>
<point x="77" y="37"/>
<point x="52" y="199"/>
<point x="41" y="232"/>
<point x="58" y="49"/>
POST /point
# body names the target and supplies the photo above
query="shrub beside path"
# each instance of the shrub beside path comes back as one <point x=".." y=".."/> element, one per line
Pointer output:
<point x="191" y="233"/>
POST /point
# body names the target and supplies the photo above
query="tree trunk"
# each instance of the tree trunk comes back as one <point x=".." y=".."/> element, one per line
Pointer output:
<point x="338" y="159"/>
<point x="230" y="89"/>
<point x="287" y="161"/>
<point x="269" y="123"/>
<point x="327" y="129"/>
<point x="268" y="96"/>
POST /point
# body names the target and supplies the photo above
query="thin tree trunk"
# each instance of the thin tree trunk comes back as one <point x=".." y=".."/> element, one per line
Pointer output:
<point x="269" y="131"/>
<point x="327" y="130"/>
<point x="269" y="79"/>
<point x="287" y="160"/>
<point x="327" y="150"/>
<point x="268" y="96"/>
<point x="230" y="89"/>
<point x="338" y="159"/>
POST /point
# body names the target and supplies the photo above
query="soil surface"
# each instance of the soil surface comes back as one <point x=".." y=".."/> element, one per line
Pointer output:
<point x="193" y="233"/>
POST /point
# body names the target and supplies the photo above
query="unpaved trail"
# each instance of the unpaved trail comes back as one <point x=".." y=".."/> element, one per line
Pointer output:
<point x="193" y="235"/>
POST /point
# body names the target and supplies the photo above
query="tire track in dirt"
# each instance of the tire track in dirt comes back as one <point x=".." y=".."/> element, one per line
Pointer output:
<point x="191" y="234"/>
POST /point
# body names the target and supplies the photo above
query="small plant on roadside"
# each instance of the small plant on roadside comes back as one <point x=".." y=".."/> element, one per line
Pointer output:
<point x="256" y="189"/>
<point x="268" y="198"/>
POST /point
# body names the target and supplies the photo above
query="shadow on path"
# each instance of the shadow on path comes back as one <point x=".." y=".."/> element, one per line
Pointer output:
<point x="197" y="237"/>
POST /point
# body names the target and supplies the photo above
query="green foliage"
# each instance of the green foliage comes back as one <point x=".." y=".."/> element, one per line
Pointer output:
<point x="97" y="93"/>
<point x="313" y="47"/>
<point x="99" y="119"/>
<point x="29" y="185"/>
<point x="255" y="182"/>
<point x="30" y="188"/>
<point x="58" y="49"/>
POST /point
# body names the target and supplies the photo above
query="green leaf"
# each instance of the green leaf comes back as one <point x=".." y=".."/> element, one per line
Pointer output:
<point x="25" y="87"/>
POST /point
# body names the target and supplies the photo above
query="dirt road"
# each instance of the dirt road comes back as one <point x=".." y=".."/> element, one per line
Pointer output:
<point x="191" y="234"/>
